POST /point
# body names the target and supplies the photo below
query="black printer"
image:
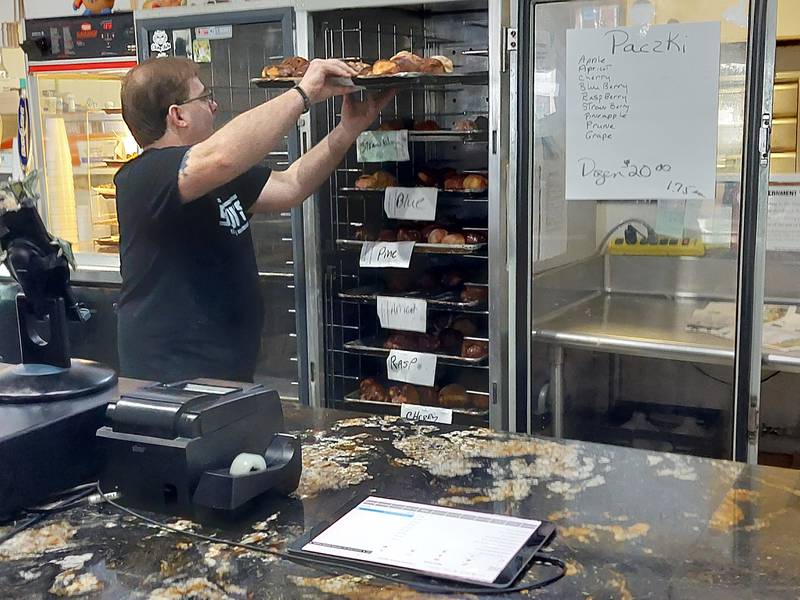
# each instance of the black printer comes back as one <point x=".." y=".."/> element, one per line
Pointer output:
<point x="179" y="448"/>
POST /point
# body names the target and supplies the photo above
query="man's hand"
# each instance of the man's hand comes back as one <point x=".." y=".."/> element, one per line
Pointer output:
<point x="357" y="115"/>
<point x="317" y="84"/>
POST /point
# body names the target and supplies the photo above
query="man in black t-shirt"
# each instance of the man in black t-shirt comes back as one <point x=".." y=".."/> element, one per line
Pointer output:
<point x="190" y="304"/>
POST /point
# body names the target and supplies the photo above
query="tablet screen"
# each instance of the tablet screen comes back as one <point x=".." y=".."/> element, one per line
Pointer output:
<point x="452" y="543"/>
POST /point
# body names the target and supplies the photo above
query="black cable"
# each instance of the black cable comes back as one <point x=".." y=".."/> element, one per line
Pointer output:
<point x="20" y="528"/>
<point x="710" y="376"/>
<point x="41" y="513"/>
<point x="722" y="381"/>
<point x="768" y="377"/>
<point x="318" y="562"/>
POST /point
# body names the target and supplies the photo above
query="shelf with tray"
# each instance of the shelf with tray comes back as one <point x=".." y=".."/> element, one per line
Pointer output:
<point x="442" y="299"/>
<point x="421" y="248"/>
<point x="374" y="346"/>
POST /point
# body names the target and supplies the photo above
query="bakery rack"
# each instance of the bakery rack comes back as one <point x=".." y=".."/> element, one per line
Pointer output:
<point x="352" y="334"/>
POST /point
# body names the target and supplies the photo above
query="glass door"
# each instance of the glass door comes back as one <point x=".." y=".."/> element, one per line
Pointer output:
<point x="775" y="435"/>
<point x="637" y="161"/>
<point x="230" y="49"/>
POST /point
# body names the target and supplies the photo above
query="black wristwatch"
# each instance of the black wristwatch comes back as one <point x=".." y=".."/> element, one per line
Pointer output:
<point x="304" y="96"/>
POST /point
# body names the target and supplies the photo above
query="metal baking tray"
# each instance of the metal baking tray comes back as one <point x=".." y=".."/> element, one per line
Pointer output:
<point x="354" y="398"/>
<point x="379" y="192"/>
<point x="447" y="135"/>
<point x="375" y="347"/>
<point x="382" y="81"/>
<point x="422" y="79"/>
<point x="443" y="299"/>
<point x="284" y="83"/>
<point x="422" y="248"/>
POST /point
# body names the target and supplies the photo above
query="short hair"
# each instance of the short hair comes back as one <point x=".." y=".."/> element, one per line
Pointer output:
<point x="149" y="89"/>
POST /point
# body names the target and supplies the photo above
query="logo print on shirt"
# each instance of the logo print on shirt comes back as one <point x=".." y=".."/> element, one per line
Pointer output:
<point x="231" y="215"/>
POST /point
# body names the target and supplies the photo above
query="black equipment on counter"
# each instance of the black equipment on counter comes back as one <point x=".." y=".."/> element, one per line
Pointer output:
<point x="170" y="448"/>
<point x="40" y="264"/>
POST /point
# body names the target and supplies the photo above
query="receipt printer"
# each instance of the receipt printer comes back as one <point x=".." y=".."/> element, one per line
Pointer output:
<point x="201" y="444"/>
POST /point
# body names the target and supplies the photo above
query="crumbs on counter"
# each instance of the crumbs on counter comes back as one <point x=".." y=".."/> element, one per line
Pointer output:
<point x="334" y="463"/>
<point x="358" y="588"/>
<point x="70" y="583"/>
<point x="458" y="453"/>
<point x="729" y="513"/>
<point x="38" y="540"/>
<point x="196" y="587"/>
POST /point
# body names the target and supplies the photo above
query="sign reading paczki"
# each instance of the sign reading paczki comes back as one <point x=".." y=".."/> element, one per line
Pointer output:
<point x="43" y="9"/>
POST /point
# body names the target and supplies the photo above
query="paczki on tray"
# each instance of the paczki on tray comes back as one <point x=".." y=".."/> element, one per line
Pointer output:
<point x="402" y="62"/>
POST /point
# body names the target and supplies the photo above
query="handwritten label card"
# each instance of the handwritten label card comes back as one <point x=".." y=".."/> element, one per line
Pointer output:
<point x="411" y="367"/>
<point x="382" y="146"/>
<point x="413" y="412"/>
<point x="411" y="204"/>
<point x="386" y="254"/>
<point x="405" y="314"/>
<point x="642" y="107"/>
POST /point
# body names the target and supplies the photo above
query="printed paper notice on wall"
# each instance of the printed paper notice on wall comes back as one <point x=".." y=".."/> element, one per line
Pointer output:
<point x="642" y="112"/>
<point x="382" y="146"/>
<point x="411" y="204"/>
<point x="414" y="412"/>
<point x="386" y="255"/>
<point x="783" y="217"/>
<point x="405" y="314"/>
<point x="411" y="367"/>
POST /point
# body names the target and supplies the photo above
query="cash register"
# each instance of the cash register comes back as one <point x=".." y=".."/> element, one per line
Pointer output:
<point x="199" y="446"/>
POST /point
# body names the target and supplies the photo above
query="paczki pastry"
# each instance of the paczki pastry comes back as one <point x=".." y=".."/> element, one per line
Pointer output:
<point x="447" y="64"/>
<point x="454" y="239"/>
<point x="453" y="396"/>
<point x="475" y="183"/>
<point x="385" y="67"/>
<point x="291" y="66"/>
<point x="474" y="349"/>
<point x="376" y="181"/>
<point x="474" y="293"/>
<point x="403" y="394"/>
<point x="373" y="391"/>
<point x="428" y="125"/>
<point x="407" y="62"/>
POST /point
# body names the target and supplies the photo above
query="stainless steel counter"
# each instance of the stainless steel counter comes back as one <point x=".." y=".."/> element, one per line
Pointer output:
<point x="647" y="326"/>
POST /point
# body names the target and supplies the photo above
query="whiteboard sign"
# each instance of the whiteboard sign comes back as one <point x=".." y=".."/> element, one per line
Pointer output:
<point x="382" y="146"/>
<point x="413" y="412"/>
<point x="411" y="204"/>
<point x="783" y="218"/>
<point x="411" y="367"/>
<point x="386" y="254"/>
<point x="405" y="314"/>
<point x="642" y="112"/>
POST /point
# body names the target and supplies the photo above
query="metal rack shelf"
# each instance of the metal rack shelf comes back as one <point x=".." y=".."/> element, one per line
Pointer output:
<point x="447" y="300"/>
<point x="374" y="347"/>
<point x="379" y="194"/>
<point x="419" y="248"/>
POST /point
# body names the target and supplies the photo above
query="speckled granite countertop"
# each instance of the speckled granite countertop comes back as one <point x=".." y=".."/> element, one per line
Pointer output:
<point x="632" y="524"/>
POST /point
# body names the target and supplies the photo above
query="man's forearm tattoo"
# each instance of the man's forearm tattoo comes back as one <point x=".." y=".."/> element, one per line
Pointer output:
<point x="184" y="162"/>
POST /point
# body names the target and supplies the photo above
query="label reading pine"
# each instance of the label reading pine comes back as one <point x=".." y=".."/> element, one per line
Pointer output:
<point x="386" y="254"/>
<point x="413" y="412"/>
<point x="382" y="146"/>
<point x="405" y="314"/>
<point x="411" y="367"/>
<point x="411" y="204"/>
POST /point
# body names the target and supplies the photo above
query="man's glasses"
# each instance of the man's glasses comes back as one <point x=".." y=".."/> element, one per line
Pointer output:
<point x="208" y="96"/>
